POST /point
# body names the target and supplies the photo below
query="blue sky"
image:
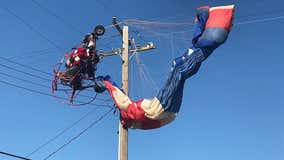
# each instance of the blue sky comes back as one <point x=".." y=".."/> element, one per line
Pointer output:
<point x="232" y="109"/>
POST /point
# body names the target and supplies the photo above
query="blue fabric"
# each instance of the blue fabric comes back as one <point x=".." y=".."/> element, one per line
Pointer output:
<point x="170" y="96"/>
<point x="204" y="42"/>
<point x="200" y="23"/>
<point x="100" y="85"/>
<point x="211" y="39"/>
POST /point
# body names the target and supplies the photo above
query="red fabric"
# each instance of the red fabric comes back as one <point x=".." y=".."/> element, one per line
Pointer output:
<point x="220" y="18"/>
<point x="81" y="53"/>
<point x="134" y="113"/>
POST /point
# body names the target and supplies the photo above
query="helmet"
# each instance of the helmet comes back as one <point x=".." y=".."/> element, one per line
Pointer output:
<point x="99" y="30"/>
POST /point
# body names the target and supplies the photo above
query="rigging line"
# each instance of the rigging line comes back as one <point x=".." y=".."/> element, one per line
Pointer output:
<point x="260" y="20"/>
<point x="62" y="132"/>
<point x="78" y="135"/>
<point x="264" y="13"/>
<point x="140" y="36"/>
<point x="24" y="80"/>
<point x="15" y="156"/>
<point x="106" y="44"/>
<point x="112" y="26"/>
<point x="46" y="94"/>
<point x="160" y="34"/>
<point x="99" y="99"/>
<point x="145" y="72"/>
<point x="172" y="45"/>
<point x="32" y="75"/>
<point x="71" y="26"/>
<point x="239" y="23"/>
<point x="143" y="22"/>
<point x="33" y="29"/>
<point x="25" y="66"/>
<point x="110" y="39"/>
<point x="111" y="36"/>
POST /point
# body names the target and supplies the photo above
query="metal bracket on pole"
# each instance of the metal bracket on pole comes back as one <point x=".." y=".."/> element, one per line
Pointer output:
<point x="116" y="25"/>
<point x="118" y="28"/>
<point x="118" y="51"/>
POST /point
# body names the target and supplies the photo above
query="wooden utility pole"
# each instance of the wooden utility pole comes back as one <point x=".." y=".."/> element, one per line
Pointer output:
<point x="123" y="132"/>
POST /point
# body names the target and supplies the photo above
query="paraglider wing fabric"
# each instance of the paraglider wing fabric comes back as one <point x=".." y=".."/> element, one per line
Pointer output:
<point x="184" y="67"/>
<point x="212" y="26"/>
<point x="120" y="99"/>
<point x="217" y="27"/>
<point x="202" y="14"/>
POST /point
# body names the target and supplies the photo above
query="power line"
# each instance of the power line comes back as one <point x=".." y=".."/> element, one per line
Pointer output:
<point x="45" y="86"/>
<point x="33" y="29"/>
<point x="25" y="66"/>
<point x="56" y="16"/>
<point x="28" y="89"/>
<point x="26" y="54"/>
<point x="23" y="72"/>
<point x="15" y="156"/>
<point x="50" y="95"/>
<point x="24" y="80"/>
<point x="78" y="135"/>
<point x="61" y="133"/>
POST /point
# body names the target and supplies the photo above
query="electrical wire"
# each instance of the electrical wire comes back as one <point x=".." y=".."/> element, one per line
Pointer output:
<point x="26" y="73"/>
<point x="24" y="80"/>
<point x="47" y="10"/>
<point x="25" y="66"/>
<point x="13" y="155"/>
<point x="32" y="28"/>
<point x="45" y="86"/>
<point x="35" y="83"/>
<point x="79" y="134"/>
<point x="61" y="133"/>
<point x="46" y="94"/>
<point x="32" y="53"/>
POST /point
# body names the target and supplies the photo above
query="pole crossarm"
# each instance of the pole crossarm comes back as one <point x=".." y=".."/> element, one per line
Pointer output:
<point x="118" y="51"/>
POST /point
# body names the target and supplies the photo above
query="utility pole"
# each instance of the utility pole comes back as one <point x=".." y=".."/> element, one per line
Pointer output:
<point x="123" y="132"/>
<point x="124" y="52"/>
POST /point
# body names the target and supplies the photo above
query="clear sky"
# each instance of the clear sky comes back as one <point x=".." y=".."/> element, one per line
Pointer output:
<point x="232" y="109"/>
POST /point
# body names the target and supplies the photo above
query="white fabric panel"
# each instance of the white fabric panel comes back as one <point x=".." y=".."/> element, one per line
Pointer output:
<point x="121" y="99"/>
<point x="222" y="7"/>
<point x="154" y="110"/>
